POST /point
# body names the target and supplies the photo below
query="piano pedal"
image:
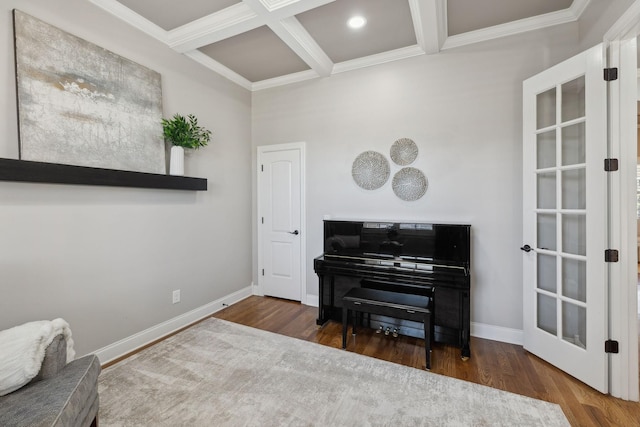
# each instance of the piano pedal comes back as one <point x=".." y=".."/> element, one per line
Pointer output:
<point x="380" y="329"/>
<point x="395" y="332"/>
<point x="387" y="331"/>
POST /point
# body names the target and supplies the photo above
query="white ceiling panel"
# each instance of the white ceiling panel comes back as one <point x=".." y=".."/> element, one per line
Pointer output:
<point x="170" y="14"/>
<point x="389" y="26"/>
<point x="470" y="15"/>
<point x="256" y="55"/>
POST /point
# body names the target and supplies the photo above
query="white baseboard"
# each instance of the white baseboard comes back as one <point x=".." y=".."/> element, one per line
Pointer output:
<point x="127" y="345"/>
<point x="496" y="333"/>
<point x="133" y="342"/>
<point x="312" y="300"/>
<point x="479" y="330"/>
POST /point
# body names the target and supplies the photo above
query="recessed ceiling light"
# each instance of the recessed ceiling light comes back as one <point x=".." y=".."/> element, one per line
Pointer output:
<point x="356" y="22"/>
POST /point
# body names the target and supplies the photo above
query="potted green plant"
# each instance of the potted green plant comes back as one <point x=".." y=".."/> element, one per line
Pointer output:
<point x="183" y="133"/>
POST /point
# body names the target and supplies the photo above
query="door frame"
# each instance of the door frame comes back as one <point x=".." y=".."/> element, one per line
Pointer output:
<point x="261" y="150"/>
<point x="620" y="43"/>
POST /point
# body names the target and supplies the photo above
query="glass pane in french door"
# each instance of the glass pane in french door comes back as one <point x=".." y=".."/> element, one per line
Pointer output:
<point x="574" y="279"/>
<point x="561" y="212"/>
<point x="546" y="108"/>
<point x="573" y="100"/>
<point x="574" y="324"/>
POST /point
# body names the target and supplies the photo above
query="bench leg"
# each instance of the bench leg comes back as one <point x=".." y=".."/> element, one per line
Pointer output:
<point x="427" y="340"/>
<point x="345" y="321"/>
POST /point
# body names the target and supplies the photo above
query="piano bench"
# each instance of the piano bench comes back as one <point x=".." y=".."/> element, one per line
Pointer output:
<point x="390" y="304"/>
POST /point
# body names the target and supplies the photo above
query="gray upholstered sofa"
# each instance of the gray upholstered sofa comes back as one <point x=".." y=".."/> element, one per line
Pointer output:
<point x="61" y="395"/>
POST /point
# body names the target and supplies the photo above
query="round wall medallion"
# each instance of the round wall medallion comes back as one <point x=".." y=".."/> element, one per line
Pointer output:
<point x="370" y="170"/>
<point x="409" y="184"/>
<point x="404" y="151"/>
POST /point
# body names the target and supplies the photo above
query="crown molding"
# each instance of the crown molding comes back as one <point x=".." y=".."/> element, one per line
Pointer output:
<point x="511" y="28"/>
<point x="380" y="58"/>
<point x="430" y="23"/>
<point x="626" y="25"/>
<point x="130" y="17"/>
<point x="284" y="80"/>
<point x="272" y="5"/>
<point x="229" y="74"/>
<point x="226" y="23"/>
<point x="217" y="67"/>
<point x="578" y="7"/>
<point x="280" y="9"/>
<point x="354" y="64"/>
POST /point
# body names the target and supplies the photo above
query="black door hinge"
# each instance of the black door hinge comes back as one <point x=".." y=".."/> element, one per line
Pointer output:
<point x="611" y="346"/>
<point x="610" y="74"/>
<point x="611" y="255"/>
<point x="263" y="271"/>
<point x="610" y="165"/>
<point x="261" y="168"/>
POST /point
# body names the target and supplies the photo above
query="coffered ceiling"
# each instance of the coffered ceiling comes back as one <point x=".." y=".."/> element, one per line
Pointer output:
<point x="265" y="43"/>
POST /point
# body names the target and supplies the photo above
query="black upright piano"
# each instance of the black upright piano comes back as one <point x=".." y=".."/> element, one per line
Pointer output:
<point x="407" y="257"/>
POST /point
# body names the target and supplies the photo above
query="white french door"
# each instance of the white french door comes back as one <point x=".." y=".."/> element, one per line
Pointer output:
<point x="280" y="221"/>
<point x="565" y="217"/>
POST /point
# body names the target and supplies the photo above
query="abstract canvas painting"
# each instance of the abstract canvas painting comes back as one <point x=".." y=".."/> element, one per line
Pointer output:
<point x="80" y="104"/>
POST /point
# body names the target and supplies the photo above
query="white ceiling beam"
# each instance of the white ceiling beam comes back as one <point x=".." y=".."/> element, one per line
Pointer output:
<point x="217" y="67"/>
<point x="430" y="23"/>
<point x="292" y="33"/>
<point x="218" y="26"/>
<point x="280" y="9"/>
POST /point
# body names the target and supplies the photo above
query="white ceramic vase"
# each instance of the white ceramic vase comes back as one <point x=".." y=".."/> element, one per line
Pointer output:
<point x="176" y="161"/>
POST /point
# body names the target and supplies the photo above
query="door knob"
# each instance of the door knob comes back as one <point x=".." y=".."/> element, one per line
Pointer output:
<point x="527" y="248"/>
<point x="296" y="232"/>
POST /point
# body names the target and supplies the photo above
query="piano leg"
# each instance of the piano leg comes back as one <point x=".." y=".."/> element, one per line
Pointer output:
<point x="427" y="339"/>
<point x="465" y="354"/>
<point x="324" y="313"/>
<point x="321" y="316"/>
<point x="345" y="325"/>
<point x="466" y="351"/>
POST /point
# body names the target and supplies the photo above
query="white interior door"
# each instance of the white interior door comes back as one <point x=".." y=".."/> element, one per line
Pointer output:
<point x="564" y="224"/>
<point x="280" y="221"/>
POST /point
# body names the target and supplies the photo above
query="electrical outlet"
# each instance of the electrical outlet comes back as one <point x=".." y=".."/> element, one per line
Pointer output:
<point x="176" y="296"/>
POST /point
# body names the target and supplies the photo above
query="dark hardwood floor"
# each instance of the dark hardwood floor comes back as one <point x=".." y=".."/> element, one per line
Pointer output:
<point x="495" y="364"/>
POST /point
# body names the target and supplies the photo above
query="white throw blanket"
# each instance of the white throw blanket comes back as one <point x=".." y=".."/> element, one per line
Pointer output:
<point x="22" y="350"/>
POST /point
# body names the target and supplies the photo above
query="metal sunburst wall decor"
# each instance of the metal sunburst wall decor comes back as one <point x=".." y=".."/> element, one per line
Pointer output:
<point x="409" y="184"/>
<point x="404" y="151"/>
<point x="370" y="170"/>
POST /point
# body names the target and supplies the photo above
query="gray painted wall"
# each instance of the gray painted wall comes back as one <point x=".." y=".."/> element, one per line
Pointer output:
<point x="107" y="259"/>
<point x="464" y="110"/>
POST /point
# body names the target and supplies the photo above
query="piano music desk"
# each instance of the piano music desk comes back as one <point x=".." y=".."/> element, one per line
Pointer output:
<point x="392" y="304"/>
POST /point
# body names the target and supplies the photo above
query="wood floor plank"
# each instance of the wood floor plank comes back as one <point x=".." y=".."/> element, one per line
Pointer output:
<point x="495" y="364"/>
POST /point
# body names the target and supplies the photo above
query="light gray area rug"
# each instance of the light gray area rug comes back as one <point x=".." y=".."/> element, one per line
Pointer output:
<point x="218" y="373"/>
